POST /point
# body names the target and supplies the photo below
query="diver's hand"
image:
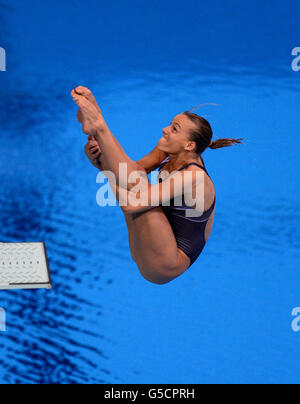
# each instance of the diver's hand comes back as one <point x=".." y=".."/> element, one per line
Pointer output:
<point x="93" y="152"/>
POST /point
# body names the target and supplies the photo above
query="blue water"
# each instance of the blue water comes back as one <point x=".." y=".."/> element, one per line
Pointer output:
<point x="228" y="318"/>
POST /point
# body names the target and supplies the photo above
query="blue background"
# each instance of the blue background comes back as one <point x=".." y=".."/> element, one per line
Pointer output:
<point x="228" y="318"/>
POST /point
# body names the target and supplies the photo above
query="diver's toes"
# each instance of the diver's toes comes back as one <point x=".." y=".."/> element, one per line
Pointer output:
<point x="83" y="91"/>
<point x="79" y="100"/>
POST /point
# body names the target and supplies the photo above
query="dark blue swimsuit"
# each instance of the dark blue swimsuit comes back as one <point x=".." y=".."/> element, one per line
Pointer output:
<point x="189" y="231"/>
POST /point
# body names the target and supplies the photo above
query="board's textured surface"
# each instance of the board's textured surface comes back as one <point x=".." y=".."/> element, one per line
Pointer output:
<point x="22" y="263"/>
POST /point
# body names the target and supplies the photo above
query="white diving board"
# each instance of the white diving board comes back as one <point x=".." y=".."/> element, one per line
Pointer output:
<point x="24" y="266"/>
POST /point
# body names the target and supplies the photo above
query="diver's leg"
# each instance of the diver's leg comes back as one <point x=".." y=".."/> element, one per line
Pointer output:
<point x="112" y="152"/>
<point x="156" y="253"/>
<point x="153" y="245"/>
<point x="130" y="227"/>
<point x="128" y="218"/>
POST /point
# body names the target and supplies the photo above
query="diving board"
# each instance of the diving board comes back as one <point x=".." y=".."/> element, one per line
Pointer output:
<point x="24" y="266"/>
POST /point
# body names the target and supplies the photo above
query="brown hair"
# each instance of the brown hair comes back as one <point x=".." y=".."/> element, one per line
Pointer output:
<point x="203" y="134"/>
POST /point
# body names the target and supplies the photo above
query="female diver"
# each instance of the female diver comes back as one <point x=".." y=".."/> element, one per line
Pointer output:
<point x="164" y="241"/>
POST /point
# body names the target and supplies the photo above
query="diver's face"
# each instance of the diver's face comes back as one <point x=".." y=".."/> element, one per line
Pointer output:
<point x="176" y="136"/>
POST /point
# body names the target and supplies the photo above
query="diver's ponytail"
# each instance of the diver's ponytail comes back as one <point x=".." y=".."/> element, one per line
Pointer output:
<point x="219" y="143"/>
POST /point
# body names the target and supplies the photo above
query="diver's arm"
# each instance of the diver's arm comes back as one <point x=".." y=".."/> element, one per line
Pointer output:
<point x="149" y="163"/>
<point x="183" y="186"/>
<point x="152" y="160"/>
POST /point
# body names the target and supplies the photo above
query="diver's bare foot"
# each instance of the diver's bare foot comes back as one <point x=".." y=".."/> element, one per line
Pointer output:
<point x="92" y="120"/>
<point x="86" y="93"/>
